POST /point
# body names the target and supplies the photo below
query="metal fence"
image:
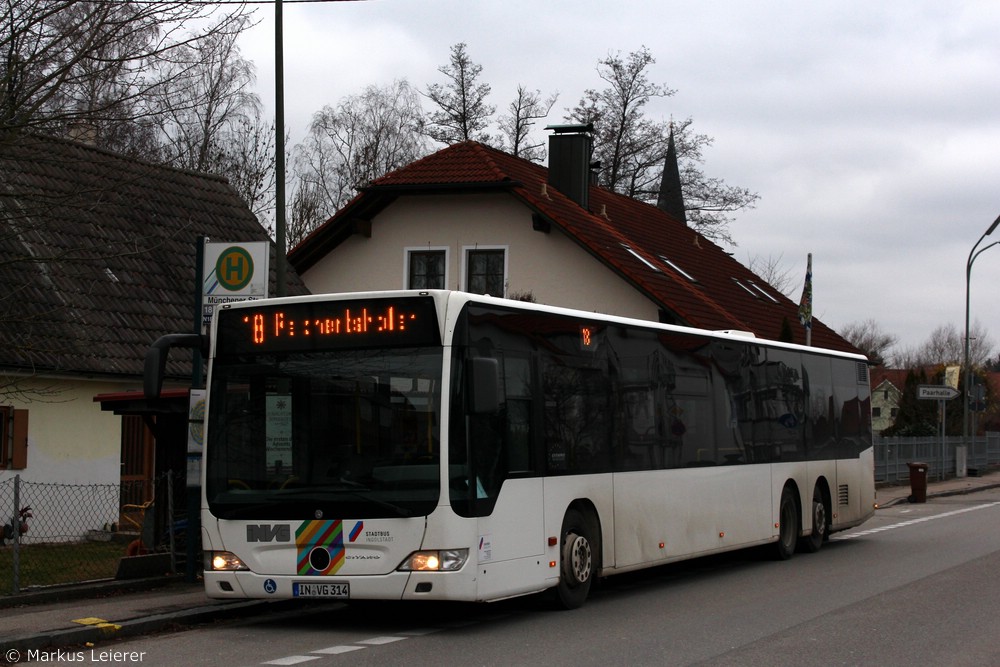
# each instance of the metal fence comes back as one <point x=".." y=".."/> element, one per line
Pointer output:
<point x="892" y="455"/>
<point x="53" y="534"/>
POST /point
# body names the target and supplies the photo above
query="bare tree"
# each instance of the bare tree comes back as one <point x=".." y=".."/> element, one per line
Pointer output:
<point x="244" y="154"/>
<point x="946" y="346"/>
<point x="621" y="128"/>
<point x="868" y="336"/>
<point x="205" y="95"/>
<point x="516" y="124"/>
<point x="209" y="119"/>
<point x="365" y="136"/>
<point x="710" y="203"/>
<point x="774" y="274"/>
<point x="631" y="148"/>
<point x="92" y="69"/>
<point x="462" y="113"/>
<point x="306" y="212"/>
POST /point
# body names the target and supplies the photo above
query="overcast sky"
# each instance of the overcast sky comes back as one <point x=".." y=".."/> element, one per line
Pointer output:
<point x="871" y="131"/>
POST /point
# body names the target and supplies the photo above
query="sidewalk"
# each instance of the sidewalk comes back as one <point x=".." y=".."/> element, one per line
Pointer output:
<point x="887" y="496"/>
<point x="73" y="616"/>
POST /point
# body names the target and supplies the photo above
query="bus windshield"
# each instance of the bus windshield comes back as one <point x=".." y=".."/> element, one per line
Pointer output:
<point x="324" y="433"/>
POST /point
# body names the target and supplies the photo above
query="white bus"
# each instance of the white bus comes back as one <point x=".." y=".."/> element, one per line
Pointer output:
<point x="439" y="445"/>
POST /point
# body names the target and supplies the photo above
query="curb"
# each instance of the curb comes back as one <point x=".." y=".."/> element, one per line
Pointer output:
<point x="52" y="640"/>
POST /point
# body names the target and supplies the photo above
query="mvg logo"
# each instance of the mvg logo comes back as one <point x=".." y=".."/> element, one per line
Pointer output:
<point x="266" y="532"/>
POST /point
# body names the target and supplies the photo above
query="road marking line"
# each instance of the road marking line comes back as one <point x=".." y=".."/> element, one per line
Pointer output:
<point x="872" y="531"/>
<point x="356" y="646"/>
<point x="291" y="660"/>
<point x="336" y="650"/>
<point x="378" y="641"/>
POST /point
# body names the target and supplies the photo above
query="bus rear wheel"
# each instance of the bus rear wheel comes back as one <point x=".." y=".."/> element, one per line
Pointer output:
<point x="814" y="541"/>
<point x="788" y="525"/>
<point x="579" y="549"/>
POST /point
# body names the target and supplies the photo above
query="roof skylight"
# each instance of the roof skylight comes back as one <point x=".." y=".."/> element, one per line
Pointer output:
<point x="678" y="269"/>
<point x="762" y="291"/>
<point x="746" y="289"/>
<point x="641" y="258"/>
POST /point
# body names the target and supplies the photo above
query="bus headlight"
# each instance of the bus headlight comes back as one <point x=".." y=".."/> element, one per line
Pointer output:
<point x="223" y="561"/>
<point x="439" y="560"/>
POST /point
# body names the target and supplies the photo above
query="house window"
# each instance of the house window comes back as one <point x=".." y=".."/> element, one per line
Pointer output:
<point x="876" y="412"/>
<point x="426" y="269"/>
<point x="893" y="412"/>
<point x="486" y="271"/>
<point x="13" y="438"/>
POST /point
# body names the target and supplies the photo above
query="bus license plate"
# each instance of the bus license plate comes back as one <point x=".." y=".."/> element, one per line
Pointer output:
<point x="301" y="589"/>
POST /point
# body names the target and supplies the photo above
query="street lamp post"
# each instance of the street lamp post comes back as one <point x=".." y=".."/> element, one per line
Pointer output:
<point x="973" y="254"/>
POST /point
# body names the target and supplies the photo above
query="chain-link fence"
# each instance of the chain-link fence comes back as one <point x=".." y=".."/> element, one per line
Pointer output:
<point x="69" y="533"/>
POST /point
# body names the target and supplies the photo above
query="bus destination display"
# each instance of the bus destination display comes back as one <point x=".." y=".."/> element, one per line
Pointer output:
<point x="313" y="325"/>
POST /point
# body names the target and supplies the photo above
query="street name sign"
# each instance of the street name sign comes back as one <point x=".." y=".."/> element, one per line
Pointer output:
<point x="937" y="392"/>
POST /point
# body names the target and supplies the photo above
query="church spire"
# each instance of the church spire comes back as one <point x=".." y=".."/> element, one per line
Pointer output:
<point x="671" y="199"/>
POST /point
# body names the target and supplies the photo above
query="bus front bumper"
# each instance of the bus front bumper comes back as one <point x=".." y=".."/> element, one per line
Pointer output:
<point x="458" y="586"/>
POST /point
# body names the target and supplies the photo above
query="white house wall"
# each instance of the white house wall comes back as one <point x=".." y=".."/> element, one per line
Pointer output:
<point x="74" y="456"/>
<point x="70" y="439"/>
<point x="554" y="269"/>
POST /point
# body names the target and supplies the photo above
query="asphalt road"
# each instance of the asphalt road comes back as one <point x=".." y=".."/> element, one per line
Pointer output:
<point x="916" y="585"/>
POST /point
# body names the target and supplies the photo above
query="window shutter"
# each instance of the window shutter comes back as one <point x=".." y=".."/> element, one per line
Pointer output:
<point x="19" y="441"/>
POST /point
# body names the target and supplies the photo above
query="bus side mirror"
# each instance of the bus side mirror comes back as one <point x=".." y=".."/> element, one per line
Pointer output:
<point x="483" y="383"/>
<point x="156" y="359"/>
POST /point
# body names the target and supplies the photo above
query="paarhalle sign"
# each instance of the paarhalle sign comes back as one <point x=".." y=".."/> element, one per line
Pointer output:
<point x="937" y="392"/>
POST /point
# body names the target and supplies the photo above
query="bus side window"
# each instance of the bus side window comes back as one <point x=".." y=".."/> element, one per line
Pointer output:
<point x="577" y="426"/>
<point x="518" y="435"/>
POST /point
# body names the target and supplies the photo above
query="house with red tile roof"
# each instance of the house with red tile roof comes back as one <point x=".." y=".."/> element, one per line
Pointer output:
<point x="97" y="261"/>
<point x="470" y="217"/>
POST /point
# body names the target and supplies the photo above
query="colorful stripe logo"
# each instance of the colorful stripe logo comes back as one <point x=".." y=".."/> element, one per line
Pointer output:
<point x="314" y="535"/>
<point x="356" y="531"/>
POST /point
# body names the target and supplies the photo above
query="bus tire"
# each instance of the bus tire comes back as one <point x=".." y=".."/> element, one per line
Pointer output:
<point x="814" y="541"/>
<point x="579" y="547"/>
<point x="788" y="525"/>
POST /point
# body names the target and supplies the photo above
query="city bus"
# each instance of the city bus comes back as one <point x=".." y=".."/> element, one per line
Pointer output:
<point x="439" y="445"/>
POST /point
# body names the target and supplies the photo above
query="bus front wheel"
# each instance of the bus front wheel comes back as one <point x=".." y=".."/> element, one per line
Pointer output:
<point x="788" y="525"/>
<point x="579" y="548"/>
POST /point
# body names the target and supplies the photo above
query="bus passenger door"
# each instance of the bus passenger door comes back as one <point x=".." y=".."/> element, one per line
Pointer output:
<point x="511" y="542"/>
<point x="509" y="486"/>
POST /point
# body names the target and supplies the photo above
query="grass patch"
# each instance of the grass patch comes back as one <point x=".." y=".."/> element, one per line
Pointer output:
<point x="52" y="564"/>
